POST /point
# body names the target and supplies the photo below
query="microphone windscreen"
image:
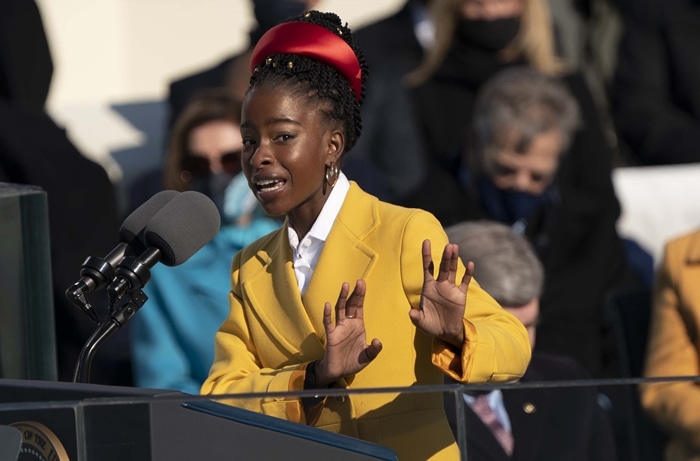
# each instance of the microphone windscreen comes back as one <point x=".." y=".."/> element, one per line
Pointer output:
<point x="183" y="226"/>
<point x="135" y="223"/>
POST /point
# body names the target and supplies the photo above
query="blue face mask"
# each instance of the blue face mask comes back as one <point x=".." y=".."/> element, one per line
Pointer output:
<point x="510" y="207"/>
<point x="239" y="200"/>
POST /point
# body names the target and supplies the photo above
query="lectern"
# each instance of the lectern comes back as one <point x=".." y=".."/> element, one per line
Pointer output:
<point x="105" y="423"/>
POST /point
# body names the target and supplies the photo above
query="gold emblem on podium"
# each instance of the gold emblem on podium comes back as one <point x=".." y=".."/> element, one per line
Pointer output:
<point x="39" y="443"/>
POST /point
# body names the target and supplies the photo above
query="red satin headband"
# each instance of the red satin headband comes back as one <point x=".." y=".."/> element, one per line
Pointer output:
<point x="313" y="41"/>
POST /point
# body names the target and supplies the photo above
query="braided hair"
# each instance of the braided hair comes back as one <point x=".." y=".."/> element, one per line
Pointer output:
<point x="317" y="80"/>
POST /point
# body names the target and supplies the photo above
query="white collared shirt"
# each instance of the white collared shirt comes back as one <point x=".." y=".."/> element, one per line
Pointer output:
<point x="305" y="252"/>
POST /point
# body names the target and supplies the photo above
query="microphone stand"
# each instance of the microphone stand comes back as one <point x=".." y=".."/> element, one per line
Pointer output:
<point x="125" y="292"/>
<point x="118" y="318"/>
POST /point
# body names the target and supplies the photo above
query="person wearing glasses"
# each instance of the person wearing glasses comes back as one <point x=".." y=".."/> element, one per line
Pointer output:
<point x="171" y="337"/>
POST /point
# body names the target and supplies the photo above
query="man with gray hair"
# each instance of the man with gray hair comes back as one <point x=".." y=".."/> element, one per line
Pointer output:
<point x="523" y="123"/>
<point x="518" y="170"/>
<point x="527" y="424"/>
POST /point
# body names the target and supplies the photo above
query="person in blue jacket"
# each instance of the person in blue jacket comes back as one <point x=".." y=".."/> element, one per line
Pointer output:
<point x="172" y="335"/>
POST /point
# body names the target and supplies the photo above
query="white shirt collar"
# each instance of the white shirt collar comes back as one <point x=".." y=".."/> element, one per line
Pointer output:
<point x="322" y="226"/>
<point x="306" y="251"/>
<point x="324" y="222"/>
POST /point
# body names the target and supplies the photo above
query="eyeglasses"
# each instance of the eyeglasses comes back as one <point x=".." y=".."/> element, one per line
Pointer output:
<point x="196" y="165"/>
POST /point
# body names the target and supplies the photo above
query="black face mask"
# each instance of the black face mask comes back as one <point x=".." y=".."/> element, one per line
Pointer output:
<point x="488" y="35"/>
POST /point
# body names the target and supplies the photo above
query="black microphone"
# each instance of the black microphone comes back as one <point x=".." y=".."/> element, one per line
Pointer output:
<point x="176" y="232"/>
<point x="97" y="272"/>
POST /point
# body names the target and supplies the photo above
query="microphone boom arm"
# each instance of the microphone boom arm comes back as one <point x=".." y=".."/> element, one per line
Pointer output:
<point x="117" y="320"/>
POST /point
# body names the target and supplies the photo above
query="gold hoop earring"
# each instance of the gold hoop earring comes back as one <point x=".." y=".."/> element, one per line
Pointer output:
<point x="331" y="177"/>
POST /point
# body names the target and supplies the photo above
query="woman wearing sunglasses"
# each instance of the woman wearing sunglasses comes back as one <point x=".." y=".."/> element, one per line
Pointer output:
<point x="171" y="336"/>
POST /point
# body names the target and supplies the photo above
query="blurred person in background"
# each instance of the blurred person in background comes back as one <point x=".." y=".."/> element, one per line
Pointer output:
<point x="474" y="39"/>
<point x="545" y="424"/>
<point x="577" y="238"/>
<point x="519" y="166"/>
<point x="673" y="348"/>
<point x="391" y="145"/>
<point x="655" y="94"/>
<point x="173" y="335"/>
<point x="82" y="208"/>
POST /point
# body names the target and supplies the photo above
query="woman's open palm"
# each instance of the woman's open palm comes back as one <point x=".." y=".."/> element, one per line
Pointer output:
<point x="442" y="301"/>
<point x="346" y="349"/>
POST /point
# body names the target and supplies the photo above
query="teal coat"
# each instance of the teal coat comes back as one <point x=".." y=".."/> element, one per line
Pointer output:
<point x="172" y="335"/>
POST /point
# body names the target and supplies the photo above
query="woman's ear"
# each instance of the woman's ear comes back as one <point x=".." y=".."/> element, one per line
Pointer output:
<point x="336" y="145"/>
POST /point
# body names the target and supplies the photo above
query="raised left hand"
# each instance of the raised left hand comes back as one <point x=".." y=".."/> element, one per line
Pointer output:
<point x="442" y="301"/>
<point x="347" y="352"/>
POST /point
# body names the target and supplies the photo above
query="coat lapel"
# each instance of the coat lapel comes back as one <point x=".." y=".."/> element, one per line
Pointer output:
<point x="281" y="309"/>
<point x="345" y="257"/>
<point x="693" y="254"/>
<point x="296" y="324"/>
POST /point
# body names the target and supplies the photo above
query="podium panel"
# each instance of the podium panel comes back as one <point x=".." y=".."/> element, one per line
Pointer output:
<point x="552" y="420"/>
<point x="272" y="438"/>
<point x="27" y="336"/>
<point x="107" y="423"/>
